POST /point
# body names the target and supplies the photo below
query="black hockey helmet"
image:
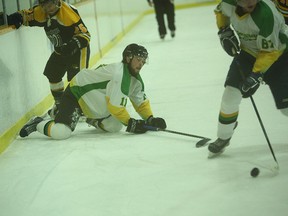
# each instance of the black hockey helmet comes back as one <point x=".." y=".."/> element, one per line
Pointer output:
<point x="134" y="50"/>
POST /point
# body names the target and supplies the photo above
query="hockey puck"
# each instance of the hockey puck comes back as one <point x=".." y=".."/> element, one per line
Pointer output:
<point x="255" y="172"/>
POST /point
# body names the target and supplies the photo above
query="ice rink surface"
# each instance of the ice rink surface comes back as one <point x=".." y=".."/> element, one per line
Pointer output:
<point x="158" y="173"/>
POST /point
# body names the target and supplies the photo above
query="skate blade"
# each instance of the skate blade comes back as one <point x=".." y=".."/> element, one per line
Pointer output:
<point x="214" y="155"/>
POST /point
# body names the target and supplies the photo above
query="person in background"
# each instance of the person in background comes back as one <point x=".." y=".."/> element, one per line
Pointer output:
<point x="161" y="8"/>
<point x="261" y="57"/>
<point x="102" y="94"/>
<point x="282" y="6"/>
<point x="69" y="36"/>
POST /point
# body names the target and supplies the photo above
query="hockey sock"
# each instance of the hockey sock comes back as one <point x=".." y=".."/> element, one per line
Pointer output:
<point x="228" y="112"/>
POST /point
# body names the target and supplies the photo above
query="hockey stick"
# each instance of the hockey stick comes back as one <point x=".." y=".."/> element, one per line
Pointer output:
<point x="260" y="121"/>
<point x="200" y="143"/>
<point x="263" y="129"/>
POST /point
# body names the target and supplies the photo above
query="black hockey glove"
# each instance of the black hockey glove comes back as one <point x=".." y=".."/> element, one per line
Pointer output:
<point x="251" y="84"/>
<point x="136" y="126"/>
<point x="70" y="48"/>
<point x="229" y="41"/>
<point x="156" y="122"/>
<point x="15" y="19"/>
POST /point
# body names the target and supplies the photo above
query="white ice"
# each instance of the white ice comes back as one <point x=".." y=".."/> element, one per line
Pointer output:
<point x="158" y="173"/>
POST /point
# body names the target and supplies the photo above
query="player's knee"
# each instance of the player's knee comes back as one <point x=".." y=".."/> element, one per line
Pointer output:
<point x="284" y="111"/>
<point x="111" y="125"/>
<point x="60" y="131"/>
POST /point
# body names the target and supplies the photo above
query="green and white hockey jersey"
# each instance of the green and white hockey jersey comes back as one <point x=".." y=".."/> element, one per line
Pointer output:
<point x="106" y="89"/>
<point x="262" y="33"/>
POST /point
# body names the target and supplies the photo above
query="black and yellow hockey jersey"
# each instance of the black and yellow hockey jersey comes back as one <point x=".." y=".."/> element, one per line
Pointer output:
<point x="61" y="27"/>
<point x="282" y="6"/>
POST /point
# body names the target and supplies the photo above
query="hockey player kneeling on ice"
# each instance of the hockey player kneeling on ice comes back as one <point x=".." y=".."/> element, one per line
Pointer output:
<point x="102" y="95"/>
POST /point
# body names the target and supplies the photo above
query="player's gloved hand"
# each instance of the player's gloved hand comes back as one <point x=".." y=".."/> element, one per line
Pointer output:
<point x="15" y="19"/>
<point x="136" y="126"/>
<point x="68" y="49"/>
<point x="251" y="84"/>
<point x="229" y="41"/>
<point x="156" y="122"/>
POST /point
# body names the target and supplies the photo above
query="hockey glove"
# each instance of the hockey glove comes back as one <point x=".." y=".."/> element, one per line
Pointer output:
<point x="156" y="122"/>
<point x="15" y="19"/>
<point x="229" y="41"/>
<point x="136" y="126"/>
<point x="251" y="84"/>
<point x="70" y="48"/>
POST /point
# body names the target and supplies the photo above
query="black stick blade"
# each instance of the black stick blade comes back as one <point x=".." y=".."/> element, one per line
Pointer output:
<point x="202" y="142"/>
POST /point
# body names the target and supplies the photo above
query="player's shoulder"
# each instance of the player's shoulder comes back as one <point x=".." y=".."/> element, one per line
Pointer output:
<point x="227" y="7"/>
<point x="229" y="2"/>
<point x="264" y="16"/>
<point x="114" y="67"/>
<point x="266" y="6"/>
<point x="35" y="13"/>
<point x="68" y="14"/>
<point x="69" y="6"/>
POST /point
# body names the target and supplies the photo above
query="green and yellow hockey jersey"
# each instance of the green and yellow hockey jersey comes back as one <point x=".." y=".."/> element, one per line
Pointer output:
<point x="106" y="90"/>
<point x="262" y="33"/>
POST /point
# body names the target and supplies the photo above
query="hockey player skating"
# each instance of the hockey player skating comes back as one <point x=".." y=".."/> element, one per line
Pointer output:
<point x="68" y="34"/>
<point x="161" y="8"/>
<point x="262" y="57"/>
<point x="102" y="95"/>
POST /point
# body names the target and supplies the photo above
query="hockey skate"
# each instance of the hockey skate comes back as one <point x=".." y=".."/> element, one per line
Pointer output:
<point x="95" y="123"/>
<point x="217" y="147"/>
<point x="82" y="118"/>
<point x="92" y="122"/>
<point x="172" y="34"/>
<point x="162" y="36"/>
<point x="53" y="111"/>
<point x="30" y="126"/>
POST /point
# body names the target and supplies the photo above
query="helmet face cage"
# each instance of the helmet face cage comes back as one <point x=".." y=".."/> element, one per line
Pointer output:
<point x="134" y="50"/>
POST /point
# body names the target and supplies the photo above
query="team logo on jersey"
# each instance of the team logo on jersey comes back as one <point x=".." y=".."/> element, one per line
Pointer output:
<point x="55" y="37"/>
<point x="246" y="37"/>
